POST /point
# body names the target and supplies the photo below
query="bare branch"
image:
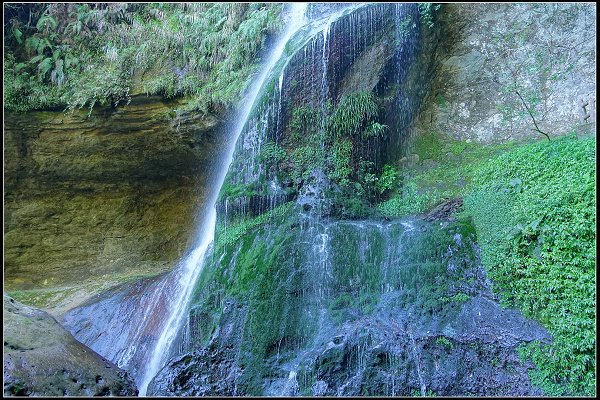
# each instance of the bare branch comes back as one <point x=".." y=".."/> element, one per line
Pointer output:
<point x="537" y="128"/>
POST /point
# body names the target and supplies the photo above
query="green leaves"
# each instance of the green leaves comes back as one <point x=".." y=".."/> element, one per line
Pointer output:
<point x="351" y="114"/>
<point x="426" y="11"/>
<point x="45" y="66"/>
<point x="206" y="51"/>
<point x="46" y="22"/>
<point x="19" y="67"/>
<point x="538" y="240"/>
<point x="18" y="35"/>
<point x="340" y="160"/>
<point x="389" y="178"/>
<point x="335" y="139"/>
<point x="374" y="129"/>
<point x="272" y="154"/>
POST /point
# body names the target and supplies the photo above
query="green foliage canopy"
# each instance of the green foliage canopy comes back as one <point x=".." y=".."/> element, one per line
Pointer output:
<point x="82" y="54"/>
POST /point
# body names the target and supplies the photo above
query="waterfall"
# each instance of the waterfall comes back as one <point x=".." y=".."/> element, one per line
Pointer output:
<point x="185" y="278"/>
<point x="143" y="331"/>
<point x="185" y="275"/>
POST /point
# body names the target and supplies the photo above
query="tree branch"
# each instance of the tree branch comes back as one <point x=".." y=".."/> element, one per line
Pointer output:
<point x="537" y="128"/>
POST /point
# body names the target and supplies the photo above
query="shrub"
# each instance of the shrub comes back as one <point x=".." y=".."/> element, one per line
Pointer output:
<point x="389" y="178"/>
<point x="79" y="55"/>
<point x="534" y="212"/>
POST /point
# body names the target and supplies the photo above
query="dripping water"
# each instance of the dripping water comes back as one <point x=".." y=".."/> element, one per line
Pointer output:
<point x="189" y="270"/>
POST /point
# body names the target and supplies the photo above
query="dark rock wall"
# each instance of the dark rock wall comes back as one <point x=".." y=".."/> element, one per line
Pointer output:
<point x="378" y="48"/>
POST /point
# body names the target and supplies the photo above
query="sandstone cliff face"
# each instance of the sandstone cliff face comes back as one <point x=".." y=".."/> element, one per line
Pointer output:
<point x="92" y="201"/>
<point x="489" y="52"/>
<point x="42" y="359"/>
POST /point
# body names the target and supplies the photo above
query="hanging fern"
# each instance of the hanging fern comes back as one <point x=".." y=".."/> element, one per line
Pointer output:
<point x="208" y="47"/>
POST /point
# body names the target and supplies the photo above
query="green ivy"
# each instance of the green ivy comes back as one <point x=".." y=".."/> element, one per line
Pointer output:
<point x="535" y="212"/>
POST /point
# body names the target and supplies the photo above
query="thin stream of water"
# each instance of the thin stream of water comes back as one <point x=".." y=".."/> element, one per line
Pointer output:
<point x="187" y="272"/>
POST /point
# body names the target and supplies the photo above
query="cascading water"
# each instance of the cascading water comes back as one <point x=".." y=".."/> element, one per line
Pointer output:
<point x="318" y="57"/>
<point x="306" y="303"/>
<point x="185" y="276"/>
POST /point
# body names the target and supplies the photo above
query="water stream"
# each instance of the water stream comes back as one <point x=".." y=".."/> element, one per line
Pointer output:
<point x="185" y="275"/>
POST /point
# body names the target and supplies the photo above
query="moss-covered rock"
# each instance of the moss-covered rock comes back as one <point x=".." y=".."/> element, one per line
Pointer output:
<point x="42" y="359"/>
<point x="349" y="308"/>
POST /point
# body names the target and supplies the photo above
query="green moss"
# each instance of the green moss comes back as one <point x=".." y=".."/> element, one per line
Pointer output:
<point x="234" y="191"/>
<point x="39" y="298"/>
<point x="444" y="342"/>
<point x="429" y="145"/>
<point x="259" y="262"/>
<point x="453" y="162"/>
<point x="228" y="235"/>
<point x="457" y="298"/>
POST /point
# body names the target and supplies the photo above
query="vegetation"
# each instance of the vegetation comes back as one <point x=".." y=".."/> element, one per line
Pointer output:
<point x="444" y="342"/>
<point x="444" y="170"/>
<point x="78" y="55"/>
<point x="535" y="212"/>
<point x="336" y="141"/>
<point x="231" y="234"/>
<point x="426" y="11"/>
<point x="234" y="191"/>
<point x="533" y="205"/>
<point x="253" y="262"/>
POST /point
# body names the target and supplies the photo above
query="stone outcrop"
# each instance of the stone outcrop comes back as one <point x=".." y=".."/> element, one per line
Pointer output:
<point x="489" y="54"/>
<point x="95" y="200"/>
<point x="42" y="359"/>
<point x="455" y="342"/>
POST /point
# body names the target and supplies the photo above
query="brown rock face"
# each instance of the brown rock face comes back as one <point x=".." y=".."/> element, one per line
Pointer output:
<point x="42" y="359"/>
<point x="95" y="200"/>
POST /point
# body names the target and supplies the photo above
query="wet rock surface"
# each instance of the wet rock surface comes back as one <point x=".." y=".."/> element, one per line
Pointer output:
<point x="111" y="323"/>
<point x="455" y="342"/>
<point x="95" y="200"/>
<point x="42" y="359"/>
<point x="209" y="371"/>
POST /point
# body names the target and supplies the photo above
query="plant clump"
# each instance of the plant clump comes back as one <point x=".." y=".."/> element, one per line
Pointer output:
<point x="74" y="55"/>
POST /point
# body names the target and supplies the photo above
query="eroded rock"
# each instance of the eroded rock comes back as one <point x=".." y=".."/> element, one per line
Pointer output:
<point x="42" y="359"/>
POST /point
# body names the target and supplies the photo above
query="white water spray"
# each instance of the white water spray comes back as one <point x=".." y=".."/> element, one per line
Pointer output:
<point x="188" y="271"/>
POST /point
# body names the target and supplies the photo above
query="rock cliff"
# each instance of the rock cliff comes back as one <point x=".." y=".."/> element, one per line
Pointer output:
<point x="95" y="200"/>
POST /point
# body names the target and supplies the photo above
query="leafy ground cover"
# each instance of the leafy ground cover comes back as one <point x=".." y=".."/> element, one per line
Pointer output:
<point x="76" y="55"/>
<point x="534" y="209"/>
